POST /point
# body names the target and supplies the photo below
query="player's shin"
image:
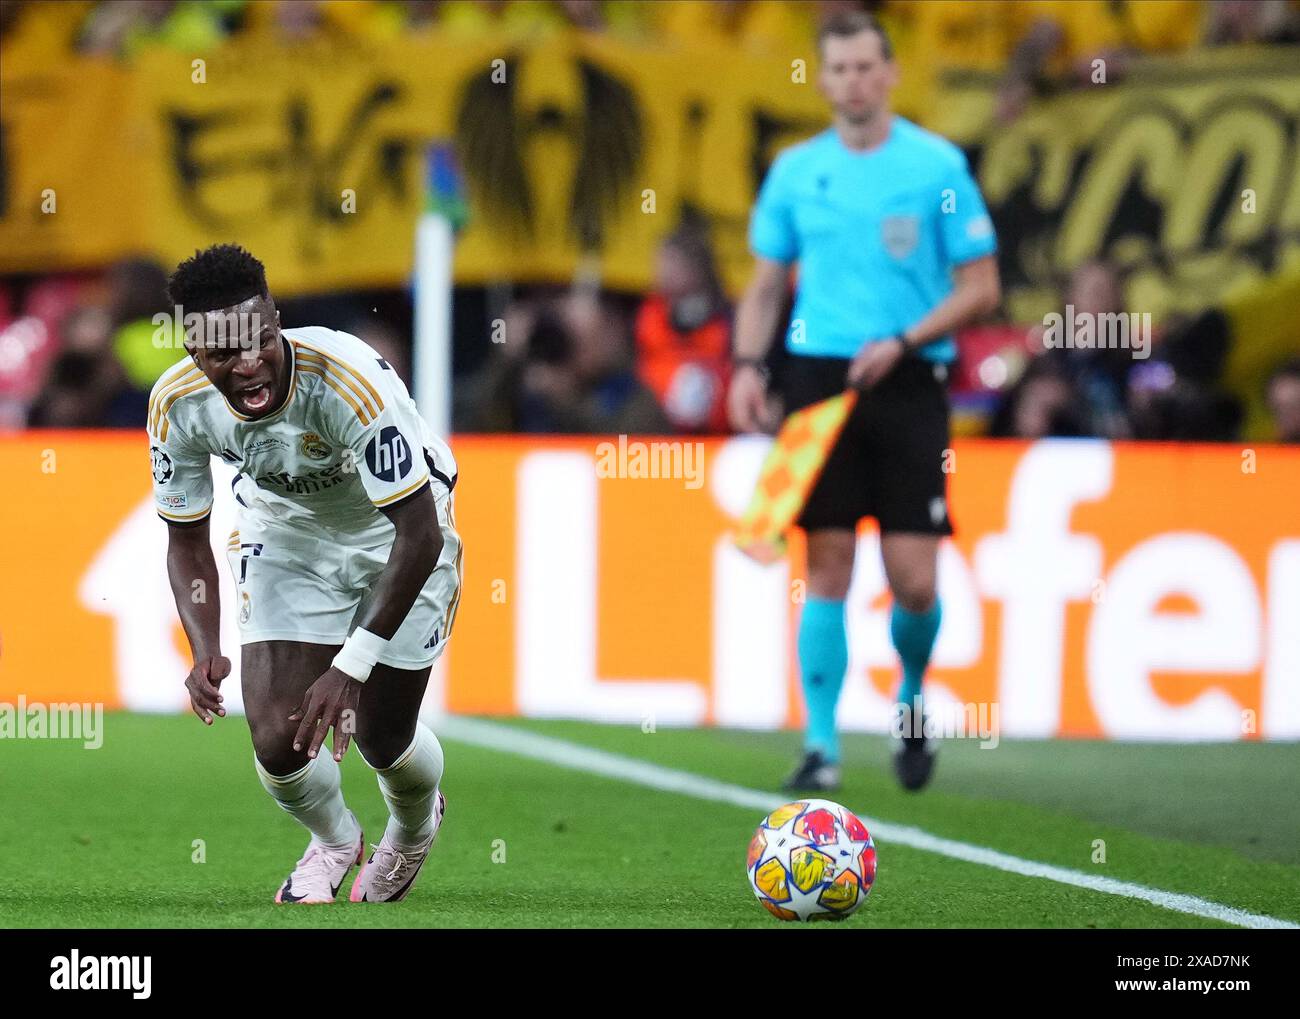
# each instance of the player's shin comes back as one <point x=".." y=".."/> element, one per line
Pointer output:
<point x="410" y="786"/>
<point x="823" y="660"/>
<point x="913" y="635"/>
<point x="314" y="797"/>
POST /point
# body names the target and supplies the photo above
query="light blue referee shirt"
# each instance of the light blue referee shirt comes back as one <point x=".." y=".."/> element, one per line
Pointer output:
<point x="876" y="235"/>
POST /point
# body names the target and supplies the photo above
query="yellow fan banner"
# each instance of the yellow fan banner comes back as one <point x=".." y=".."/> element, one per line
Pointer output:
<point x="580" y="150"/>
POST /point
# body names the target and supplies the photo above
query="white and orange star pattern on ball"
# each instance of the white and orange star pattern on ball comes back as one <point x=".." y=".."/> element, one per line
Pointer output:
<point x="811" y="860"/>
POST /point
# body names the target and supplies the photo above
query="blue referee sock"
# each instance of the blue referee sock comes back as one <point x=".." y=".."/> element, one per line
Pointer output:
<point x="913" y="634"/>
<point x="823" y="660"/>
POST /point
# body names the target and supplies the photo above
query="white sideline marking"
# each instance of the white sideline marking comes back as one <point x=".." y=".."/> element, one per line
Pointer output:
<point x="576" y="757"/>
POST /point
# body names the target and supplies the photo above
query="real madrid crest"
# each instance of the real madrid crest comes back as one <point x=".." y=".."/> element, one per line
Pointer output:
<point x="314" y="447"/>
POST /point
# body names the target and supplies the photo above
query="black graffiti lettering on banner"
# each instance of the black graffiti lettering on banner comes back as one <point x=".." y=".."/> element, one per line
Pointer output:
<point x="302" y="173"/>
<point x="1155" y="186"/>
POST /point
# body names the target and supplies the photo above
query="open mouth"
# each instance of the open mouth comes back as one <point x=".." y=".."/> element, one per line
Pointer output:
<point x="255" y="398"/>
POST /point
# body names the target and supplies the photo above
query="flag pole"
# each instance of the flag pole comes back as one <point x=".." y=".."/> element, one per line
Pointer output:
<point x="435" y="239"/>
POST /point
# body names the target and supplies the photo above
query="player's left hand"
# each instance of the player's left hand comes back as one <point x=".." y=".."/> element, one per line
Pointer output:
<point x="873" y="362"/>
<point x="330" y="701"/>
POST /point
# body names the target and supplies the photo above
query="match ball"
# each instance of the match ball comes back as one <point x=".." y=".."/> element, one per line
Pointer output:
<point x="811" y="860"/>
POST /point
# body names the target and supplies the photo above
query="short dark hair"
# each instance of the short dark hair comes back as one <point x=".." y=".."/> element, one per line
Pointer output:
<point x="848" y="24"/>
<point x="217" y="277"/>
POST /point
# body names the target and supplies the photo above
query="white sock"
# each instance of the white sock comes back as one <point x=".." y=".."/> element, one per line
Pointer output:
<point x="410" y="786"/>
<point x="313" y="796"/>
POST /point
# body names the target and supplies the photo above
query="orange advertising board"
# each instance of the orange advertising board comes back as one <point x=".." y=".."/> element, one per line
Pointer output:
<point x="1093" y="589"/>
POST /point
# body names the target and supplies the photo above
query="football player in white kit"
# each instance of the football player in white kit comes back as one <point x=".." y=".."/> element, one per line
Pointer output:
<point x="346" y="561"/>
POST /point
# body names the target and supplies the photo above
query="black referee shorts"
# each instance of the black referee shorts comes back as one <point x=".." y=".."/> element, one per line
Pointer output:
<point x="888" y="462"/>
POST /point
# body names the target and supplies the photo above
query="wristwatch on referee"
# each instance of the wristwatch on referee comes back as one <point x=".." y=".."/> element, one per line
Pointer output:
<point x="902" y="340"/>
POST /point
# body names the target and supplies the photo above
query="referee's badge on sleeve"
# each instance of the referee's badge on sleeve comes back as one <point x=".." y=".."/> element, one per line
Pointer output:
<point x="900" y="234"/>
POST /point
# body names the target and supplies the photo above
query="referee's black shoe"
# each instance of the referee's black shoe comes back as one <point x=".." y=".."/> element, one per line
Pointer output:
<point x="814" y="774"/>
<point x="914" y="759"/>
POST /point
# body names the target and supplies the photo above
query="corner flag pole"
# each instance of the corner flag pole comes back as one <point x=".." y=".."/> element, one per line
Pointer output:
<point x="435" y="238"/>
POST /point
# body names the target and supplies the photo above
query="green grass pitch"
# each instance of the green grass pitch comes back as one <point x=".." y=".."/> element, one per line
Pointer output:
<point x="106" y="838"/>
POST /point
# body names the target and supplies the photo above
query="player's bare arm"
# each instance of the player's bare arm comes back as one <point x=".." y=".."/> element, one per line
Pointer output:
<point x="192" y="571"/>
<point x="416" y="548"/>
<point x="977" y="291"/>
<point x="756" y="321"/>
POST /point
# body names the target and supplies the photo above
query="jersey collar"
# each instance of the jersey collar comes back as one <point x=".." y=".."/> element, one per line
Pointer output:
<point x="876" y="149"/>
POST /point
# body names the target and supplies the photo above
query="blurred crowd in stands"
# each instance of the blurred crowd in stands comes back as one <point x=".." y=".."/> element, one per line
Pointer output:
<point x="80" y="351"/>
<point x="1031" y="45"/>
<point x="77" y="350"/>
<point x="1019" y="36"/>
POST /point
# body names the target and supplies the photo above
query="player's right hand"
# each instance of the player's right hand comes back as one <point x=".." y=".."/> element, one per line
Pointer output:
<point x="203" y="684"/>
<point x="747" y="400"/>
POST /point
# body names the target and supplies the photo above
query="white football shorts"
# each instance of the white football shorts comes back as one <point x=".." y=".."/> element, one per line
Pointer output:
<point x="301" y="584"/>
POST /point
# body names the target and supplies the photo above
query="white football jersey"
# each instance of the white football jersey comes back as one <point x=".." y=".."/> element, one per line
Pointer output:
<point x="346" y="442"/>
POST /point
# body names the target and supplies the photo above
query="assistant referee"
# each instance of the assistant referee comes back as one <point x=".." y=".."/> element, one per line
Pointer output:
<point x="895" y="250"/>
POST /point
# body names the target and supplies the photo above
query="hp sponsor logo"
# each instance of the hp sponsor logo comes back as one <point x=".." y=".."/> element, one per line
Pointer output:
<point x="388" y="455"/>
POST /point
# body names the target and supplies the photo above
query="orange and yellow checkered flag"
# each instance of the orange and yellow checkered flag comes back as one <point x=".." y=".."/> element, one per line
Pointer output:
<point x="789" y="472"/>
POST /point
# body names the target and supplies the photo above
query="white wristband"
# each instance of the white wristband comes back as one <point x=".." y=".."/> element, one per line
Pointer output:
<point x="359" y="654"/>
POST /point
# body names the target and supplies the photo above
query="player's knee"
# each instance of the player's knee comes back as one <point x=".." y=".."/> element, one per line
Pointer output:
<point x="830" y="565"/>
<point x="273" y="744"/>
<point x="831" y="583"/>
<point x="381" y="751"/>
<point x="915" y="594"/>
<point x="281" y="761"/>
